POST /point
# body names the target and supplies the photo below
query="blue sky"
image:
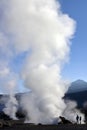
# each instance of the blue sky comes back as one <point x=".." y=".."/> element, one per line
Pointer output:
<point x="77" y="66"/>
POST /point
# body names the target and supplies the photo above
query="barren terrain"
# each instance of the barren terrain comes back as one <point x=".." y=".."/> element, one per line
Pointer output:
<point x="45" y="127"/>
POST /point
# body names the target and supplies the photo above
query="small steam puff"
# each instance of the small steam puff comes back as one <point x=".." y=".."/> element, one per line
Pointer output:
<point x="11" y="107"/>
<point x="39" y="28"/>
<point x="71" y="112"/>
<point x="11" y="104"/>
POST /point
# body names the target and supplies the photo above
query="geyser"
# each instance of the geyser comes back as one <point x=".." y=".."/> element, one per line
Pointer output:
<point x="39" y="28"/>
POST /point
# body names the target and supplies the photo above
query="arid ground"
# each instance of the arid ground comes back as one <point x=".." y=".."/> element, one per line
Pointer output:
<point x="45" y="127"/>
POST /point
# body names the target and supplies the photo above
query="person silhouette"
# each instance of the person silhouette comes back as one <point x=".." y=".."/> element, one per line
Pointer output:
<point x="77" y="119"/>
<point x="80" y="118"/>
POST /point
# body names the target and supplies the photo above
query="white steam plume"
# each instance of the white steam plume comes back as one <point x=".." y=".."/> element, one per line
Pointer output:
<point x="44" y="32"/>
<point x="11" y="104"/>
<point x="11" y="107"/>
<point x="71" y="112"/>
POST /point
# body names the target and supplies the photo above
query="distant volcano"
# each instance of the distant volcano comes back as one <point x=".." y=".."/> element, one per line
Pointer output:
<point x="77" y="92"/>
<point x="78" y="85"/>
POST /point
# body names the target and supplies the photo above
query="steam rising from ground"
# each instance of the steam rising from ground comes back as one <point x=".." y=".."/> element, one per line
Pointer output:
<point x="71" y="112"/>
<point x="8" y="83"/>
<point x="39" y="28"/>
<point x="11" y="107"/>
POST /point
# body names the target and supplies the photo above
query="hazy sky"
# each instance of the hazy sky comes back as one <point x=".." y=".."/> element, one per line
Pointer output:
<point x="77" y="66"/>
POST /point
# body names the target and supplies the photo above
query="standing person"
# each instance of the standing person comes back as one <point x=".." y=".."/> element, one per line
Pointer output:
<point x="77" y="119"/>
<point x="80" y="118"/>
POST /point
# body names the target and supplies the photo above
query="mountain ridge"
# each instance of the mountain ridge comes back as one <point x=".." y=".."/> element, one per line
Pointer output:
<point x="78" y="85"/>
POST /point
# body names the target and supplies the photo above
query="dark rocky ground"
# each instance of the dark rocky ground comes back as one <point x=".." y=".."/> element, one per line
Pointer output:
<point x="46" y="127"/>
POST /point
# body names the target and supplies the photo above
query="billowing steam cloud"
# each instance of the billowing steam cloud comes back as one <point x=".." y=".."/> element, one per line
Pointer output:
<point x="39" y="28"/>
